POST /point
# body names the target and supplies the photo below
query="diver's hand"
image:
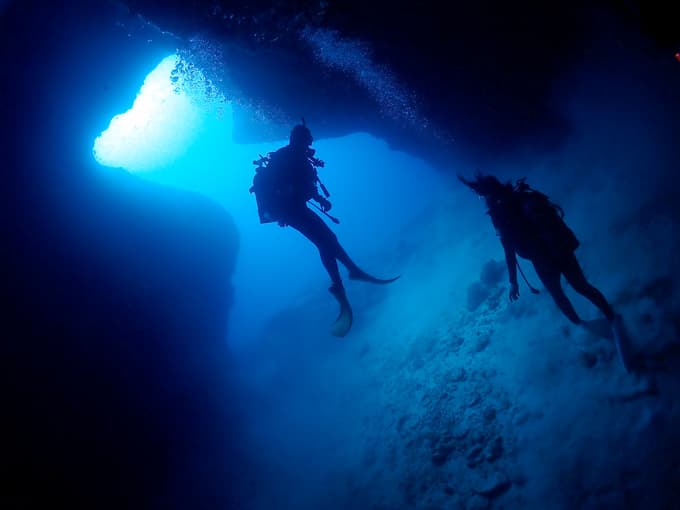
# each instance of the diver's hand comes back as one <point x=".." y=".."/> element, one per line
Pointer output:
<point x="514" y="292"/>
<point x="325" y="204"/>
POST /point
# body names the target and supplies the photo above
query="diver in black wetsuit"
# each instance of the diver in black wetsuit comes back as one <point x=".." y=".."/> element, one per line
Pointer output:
<point x="525" y="230"/>
<point x="292" y="182"/>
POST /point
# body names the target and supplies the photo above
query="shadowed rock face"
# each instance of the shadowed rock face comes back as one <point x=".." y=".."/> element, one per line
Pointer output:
<point x="483" y="72"/>
<point x="114" y="356"/>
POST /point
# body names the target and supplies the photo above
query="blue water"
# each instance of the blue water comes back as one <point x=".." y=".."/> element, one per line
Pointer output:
<point x="165" y="350"/>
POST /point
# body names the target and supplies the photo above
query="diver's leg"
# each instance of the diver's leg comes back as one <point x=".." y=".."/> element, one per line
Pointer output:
<point x="574" y="275"/>
<point x="355" y="272"/>
<point x="333" y="249"/>
<point x="333" y="245"/>
<point x="314" y="229"/>
<point x="346" y="261"/>
<point x="549" y="275"/>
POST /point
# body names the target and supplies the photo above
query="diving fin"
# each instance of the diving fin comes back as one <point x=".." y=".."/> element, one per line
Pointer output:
<point x="622" y="341"/>
<point x="343" y="323"/>
<point x="358" y="274"/>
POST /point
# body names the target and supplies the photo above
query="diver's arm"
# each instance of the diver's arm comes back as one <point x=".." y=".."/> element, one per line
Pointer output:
<point x="318" y="197"/>
<point x="314" y="194"/>
<point x="511" y="261"/>
<point x="323" y="201"/>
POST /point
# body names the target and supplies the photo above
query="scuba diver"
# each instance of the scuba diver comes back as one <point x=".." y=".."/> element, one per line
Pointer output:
<point x="285" y="181"/>
<point x="530" y="225"/>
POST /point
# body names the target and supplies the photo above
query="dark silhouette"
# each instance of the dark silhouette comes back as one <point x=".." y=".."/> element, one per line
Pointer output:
<point x="531" y="226"/>
<point x="285" y="181"/>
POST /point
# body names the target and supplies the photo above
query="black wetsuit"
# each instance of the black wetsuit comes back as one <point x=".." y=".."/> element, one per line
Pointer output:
<point x="551" y="260"/>
<point x="298" y="185"/>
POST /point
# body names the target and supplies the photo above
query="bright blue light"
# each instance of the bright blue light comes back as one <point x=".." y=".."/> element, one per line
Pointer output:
<point x="165" y="120"/>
